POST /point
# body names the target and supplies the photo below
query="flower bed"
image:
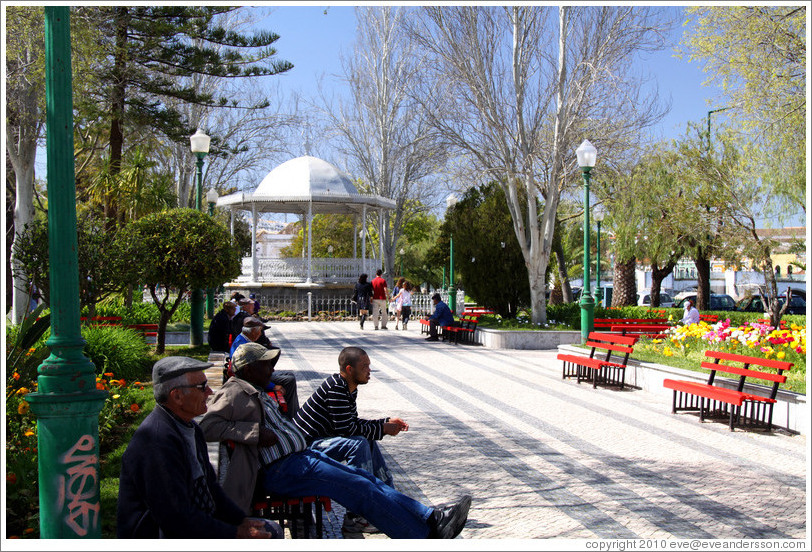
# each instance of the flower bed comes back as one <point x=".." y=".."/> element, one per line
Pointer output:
<point x="752" y="339"/>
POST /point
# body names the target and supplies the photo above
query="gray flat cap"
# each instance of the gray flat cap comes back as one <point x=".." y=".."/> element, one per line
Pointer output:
<point x="248" y="353"/>
<point x="254" y="322"/>
<point x="170" y="367"/>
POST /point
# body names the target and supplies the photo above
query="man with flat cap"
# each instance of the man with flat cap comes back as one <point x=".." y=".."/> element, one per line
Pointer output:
<point x="271" y="452"/>
<point x="253" y="330"/>
<point x="167" y="487"/>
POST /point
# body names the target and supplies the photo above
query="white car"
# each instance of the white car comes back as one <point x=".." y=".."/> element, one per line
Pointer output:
<point x="666" y="301"/>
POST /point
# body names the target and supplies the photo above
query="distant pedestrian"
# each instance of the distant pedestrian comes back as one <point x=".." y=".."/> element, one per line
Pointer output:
<point x="395" y="306"/>
<point x="380" y="301"/>
<point x="363" y="297"/>
<point x="404" y="303"/>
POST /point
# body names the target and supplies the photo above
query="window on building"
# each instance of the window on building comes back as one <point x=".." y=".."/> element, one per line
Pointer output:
<point x="789" y="269"/>
<point x="778" y="271"/>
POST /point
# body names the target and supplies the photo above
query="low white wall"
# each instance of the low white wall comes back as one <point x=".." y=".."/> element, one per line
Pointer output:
<point x="525" y="339"/>
<point x="791" y="409"/>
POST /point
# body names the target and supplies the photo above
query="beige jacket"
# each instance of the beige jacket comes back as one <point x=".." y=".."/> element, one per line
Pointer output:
<point x="235" y="414"/>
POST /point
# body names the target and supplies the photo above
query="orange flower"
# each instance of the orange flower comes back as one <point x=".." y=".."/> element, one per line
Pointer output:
<point x="11" y="478"/>
<point x="28" y="531"/>
<point x="100" y="386"/>
<point x="23" y="408"/>
<point x="16" y="376"/>
<point x="29" y="433"/>
<point x="134" y="407"/>
<point x="122" y="383"/>
<point x="108" y="374"/>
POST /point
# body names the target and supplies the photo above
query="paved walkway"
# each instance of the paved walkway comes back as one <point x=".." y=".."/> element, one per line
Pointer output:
<point x="546" y="458"/>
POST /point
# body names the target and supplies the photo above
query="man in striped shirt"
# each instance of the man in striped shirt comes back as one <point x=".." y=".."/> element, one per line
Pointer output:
<point x="330" y="420"/>
<point x="271" y="451"/>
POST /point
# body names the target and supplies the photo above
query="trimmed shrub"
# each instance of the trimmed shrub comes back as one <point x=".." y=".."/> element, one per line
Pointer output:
<point x="121" y="351"/>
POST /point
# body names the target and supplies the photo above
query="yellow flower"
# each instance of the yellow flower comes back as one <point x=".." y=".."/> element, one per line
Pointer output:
<point x="29" y="433"/>
<point x="116" y="396"/>
<point x="23" y="408"/>
<point x="22" y="391"/>
<point x="780" y="355"/>
<point x="667" y="351"/>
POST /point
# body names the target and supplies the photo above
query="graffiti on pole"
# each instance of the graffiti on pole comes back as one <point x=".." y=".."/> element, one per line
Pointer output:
<point x="79" y="486"/>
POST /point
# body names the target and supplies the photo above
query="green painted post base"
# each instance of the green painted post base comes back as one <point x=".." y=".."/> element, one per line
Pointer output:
<point x="452" y="299"/>
<point x="587" y="316"/>
<point x="210" y="303"/>
<point x="68" y="452"/>
<point x="196" y="325"/>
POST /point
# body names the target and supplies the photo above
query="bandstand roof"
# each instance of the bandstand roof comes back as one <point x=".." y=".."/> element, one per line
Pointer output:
<point x="293" y="185"/>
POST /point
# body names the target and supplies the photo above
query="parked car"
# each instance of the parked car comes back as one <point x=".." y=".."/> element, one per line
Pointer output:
<point x="666" y="301"/>
<point x="682" y="294"/>
<point x="753" y="303"/>
<point x="718" y="302"/>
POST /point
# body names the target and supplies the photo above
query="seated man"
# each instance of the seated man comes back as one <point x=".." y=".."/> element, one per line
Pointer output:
<point x="167" y="487"/>
<point x="691" y="313"/>
<point x="220" y="331"/>
<point x="271" y="452"/>
<point x="440" y="317"/>
<point x="329" y="419"/>
<point x="253" y="330"/>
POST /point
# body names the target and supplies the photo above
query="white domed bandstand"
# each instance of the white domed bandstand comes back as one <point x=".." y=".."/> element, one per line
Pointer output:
<point x="306" y="186"/>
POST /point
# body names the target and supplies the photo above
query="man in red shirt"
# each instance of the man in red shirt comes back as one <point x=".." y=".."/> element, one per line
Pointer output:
<point x="379" y="300"/>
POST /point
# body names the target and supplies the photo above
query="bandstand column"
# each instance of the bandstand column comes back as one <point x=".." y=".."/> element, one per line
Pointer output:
<point x="309" y="236"/>
<point x="254" y="258"/>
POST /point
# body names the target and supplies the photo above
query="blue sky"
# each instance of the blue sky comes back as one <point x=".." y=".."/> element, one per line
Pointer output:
<point x="312" y="40"/>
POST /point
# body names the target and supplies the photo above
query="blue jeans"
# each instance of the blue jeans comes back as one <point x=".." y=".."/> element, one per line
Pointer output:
<point x="310" y="472"/>
<point x="356" y="451"/>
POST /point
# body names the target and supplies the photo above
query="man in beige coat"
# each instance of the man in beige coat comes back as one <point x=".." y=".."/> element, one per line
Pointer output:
<point x="270" y="450"/>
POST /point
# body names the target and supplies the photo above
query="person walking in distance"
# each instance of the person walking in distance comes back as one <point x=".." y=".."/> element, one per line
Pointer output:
<point x="363" y="297"/>
<point x="379" y="300"/>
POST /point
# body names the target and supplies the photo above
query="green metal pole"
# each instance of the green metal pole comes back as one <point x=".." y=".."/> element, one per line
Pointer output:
<point x="587" y="301"/>
<point x="452" y="291"/>
<point x="196" y="300"/>
<point x="66" y="403"/>
<point x="598" y="296"/>
<point x="210" y="291"/>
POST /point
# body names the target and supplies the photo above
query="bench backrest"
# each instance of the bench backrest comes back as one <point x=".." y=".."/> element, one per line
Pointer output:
<point x="709" y="318"/>
<point x="619" y="344"/>
<point x="745" y="371"/>
<point x="607" y="322"/>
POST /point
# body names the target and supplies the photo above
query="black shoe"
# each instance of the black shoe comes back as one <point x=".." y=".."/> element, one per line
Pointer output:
<point x="448" y="522"/>
<point x="432" y="338"/>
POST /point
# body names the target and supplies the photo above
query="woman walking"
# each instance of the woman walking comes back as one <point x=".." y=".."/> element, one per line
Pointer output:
<point x="395" y="304"/>
<point x="363" y="296"/>
<point x="403" y="300"/>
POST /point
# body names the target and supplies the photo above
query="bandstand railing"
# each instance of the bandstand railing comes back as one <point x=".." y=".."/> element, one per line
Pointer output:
<point x="294" y="269"/>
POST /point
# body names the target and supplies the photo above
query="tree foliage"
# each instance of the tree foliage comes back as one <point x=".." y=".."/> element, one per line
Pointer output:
<point x="486" y="255"/>
<point x="757" y="55"/>
<point x="178" y="250"/>
<point x="515" y="89"/>
<point x="99" y="256"/>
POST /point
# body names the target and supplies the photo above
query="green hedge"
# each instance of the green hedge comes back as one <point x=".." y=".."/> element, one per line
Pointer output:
<point x="121" y="351"/>
<point x="139" y="313"/>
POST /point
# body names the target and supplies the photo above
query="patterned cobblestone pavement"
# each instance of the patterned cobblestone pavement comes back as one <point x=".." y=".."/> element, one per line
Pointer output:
<point x="546" y="458"/>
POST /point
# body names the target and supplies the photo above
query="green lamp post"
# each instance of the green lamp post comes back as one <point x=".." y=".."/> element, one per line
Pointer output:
<point x="450" y="201"/>
<point x="586" y="154"/>
<point x="200" y="147"/>
<point x="211" y="199"/>
<point x="66" y="403"/>
<point x="599" y="216"/>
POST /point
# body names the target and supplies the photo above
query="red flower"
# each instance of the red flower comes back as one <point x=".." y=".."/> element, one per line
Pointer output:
<point x="134" y="407"/>
<point x="11" y="478"/>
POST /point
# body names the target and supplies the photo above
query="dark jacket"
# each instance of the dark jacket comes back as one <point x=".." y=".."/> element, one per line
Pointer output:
<point x="220" y="330"/>
<point x="442" y="315"/>
<point x="156" y="489"/>
<point x="363" y="295"/>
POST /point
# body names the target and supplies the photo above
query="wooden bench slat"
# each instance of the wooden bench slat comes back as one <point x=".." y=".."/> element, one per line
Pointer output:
<point x="744" y="372"/>
<point x="765" y="362"/>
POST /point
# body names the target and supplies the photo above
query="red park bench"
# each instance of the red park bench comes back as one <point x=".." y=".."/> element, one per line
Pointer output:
<point x="594" y="368"/>
<point x="709" y="318"/>
<point x="102" y="320"/>
<point x="146" y="330"/>
<point x="740" y="406"/>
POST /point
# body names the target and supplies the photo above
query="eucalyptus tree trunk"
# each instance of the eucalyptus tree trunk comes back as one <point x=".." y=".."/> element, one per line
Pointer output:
<point x="658" y="274"/>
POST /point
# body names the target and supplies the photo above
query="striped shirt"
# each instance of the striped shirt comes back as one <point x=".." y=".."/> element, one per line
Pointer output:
<point x="330" y="412"/>
<point x="291" y="438"/>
